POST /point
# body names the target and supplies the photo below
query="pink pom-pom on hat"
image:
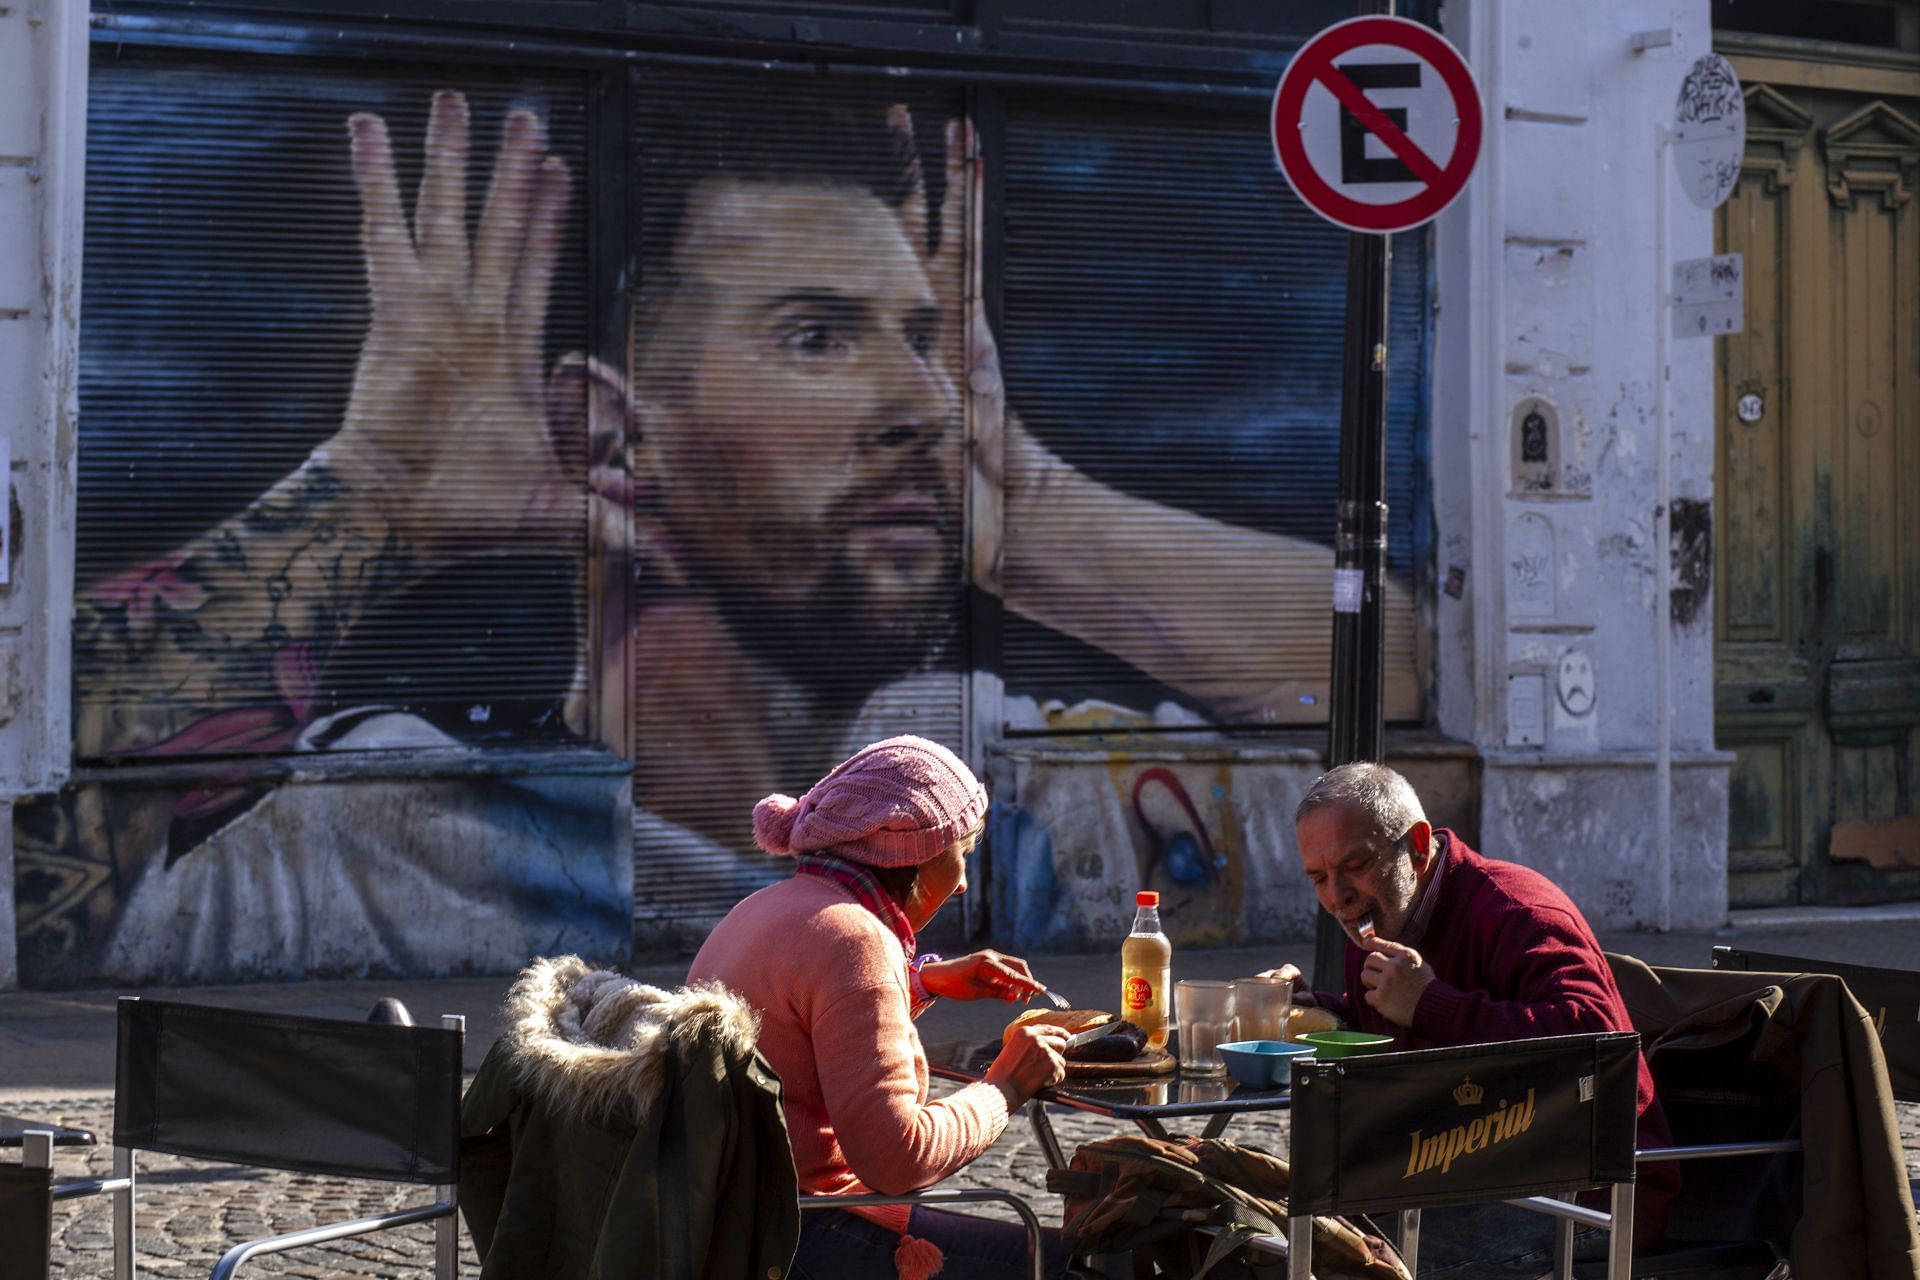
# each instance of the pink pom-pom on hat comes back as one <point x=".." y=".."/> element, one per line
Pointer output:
<point x="896" y="803"/>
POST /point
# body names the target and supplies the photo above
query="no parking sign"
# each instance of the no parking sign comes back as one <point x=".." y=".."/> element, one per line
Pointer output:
<point x="1377" y="124"/>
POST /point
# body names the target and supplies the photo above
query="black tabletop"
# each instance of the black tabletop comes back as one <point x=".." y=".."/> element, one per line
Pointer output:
<point x="1126" y="1097"/>
<point x="13" y="1127"/>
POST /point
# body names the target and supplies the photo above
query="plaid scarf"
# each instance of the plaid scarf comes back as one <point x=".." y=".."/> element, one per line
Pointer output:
<point x="866" y="890"/>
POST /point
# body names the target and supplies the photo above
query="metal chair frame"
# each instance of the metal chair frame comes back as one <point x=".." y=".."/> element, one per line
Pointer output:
<point x="958" y="1195"/>
<point x="1675" y="1261"/>
<point x="1572" y="1215"/>
<point x="123" y="1183"/>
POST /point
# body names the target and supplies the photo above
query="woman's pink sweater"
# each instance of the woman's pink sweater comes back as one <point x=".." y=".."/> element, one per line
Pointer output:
<point x="830" y="983"/>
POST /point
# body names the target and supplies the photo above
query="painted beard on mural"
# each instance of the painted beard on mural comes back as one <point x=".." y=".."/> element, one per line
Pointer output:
<point x="883" y="599"/>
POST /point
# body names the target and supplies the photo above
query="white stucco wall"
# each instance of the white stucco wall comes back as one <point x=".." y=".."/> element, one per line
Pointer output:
<point x="1549" y="284"/>
<point x="43" y="86"/>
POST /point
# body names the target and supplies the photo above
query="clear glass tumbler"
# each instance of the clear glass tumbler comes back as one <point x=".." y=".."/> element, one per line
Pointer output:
<point x="1260" y="1006"/>
<point x="1203" y="1008"/>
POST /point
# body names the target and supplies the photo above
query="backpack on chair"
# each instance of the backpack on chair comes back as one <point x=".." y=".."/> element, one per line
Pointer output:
<point x="1147" y="1196"/>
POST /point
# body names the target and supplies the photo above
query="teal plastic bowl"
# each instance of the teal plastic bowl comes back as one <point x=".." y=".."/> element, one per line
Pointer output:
<point x="1262" y="1064"/>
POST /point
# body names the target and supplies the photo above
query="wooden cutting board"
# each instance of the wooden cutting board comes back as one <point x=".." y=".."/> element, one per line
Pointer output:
<point x="1151" y="1062"/>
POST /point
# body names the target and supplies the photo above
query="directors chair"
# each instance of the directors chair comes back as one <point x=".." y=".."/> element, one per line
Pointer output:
<point x="1891" y="998"/>
<point x="275" y="1091"/>
<point x="1514" y="1122"/>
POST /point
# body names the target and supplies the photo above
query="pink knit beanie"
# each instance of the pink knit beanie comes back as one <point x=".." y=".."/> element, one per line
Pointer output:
<point x="896" y="803"/>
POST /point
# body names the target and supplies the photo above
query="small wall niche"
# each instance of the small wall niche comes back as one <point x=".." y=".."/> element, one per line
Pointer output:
<point x="1536" y="452"/>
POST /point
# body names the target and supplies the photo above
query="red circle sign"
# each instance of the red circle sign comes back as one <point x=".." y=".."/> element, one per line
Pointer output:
<point x="1428" y="122"/>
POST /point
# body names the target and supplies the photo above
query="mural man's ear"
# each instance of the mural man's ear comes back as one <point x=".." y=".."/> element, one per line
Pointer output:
<point x="586" y="411"/>
<point x="591" y="407"/>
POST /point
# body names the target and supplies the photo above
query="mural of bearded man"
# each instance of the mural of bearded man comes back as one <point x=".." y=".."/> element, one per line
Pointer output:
<point x="769" y="504"/>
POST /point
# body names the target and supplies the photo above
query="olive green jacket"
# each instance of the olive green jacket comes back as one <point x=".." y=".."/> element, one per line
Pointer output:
<point x="618" y="1130"/>
<point x="1805" y="1031"/>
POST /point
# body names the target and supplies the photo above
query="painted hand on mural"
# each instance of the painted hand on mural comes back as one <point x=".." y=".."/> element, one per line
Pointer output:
<point x="1173" y="624"/>
<point x="1068" y="574"/>
<point x="956" y="270"/>
<point x="998" y="441"/>
<point x="449" y="398"/>
<point x="225" y="638"/>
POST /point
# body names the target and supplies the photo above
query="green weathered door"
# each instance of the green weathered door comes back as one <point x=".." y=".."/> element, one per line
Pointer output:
<point x="1817" y="492"/>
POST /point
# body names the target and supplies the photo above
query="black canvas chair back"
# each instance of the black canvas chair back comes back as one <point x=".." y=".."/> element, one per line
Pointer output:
<point x="1463" y="1125"/>
<point x="26" y="1219"/>
<point x="1890" y="996"/>
<point x="312" y="1095"/>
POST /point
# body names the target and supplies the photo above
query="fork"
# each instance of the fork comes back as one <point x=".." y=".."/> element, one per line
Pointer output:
<point x="1054" y="998"/>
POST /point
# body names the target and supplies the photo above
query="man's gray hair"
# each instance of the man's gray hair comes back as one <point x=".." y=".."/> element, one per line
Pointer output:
<point x="1375" y="790"/>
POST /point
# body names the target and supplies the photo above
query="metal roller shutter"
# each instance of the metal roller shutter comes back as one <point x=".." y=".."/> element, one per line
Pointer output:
<point x="1172" y="327"/>
<point x="799" y="477"/>
<point x="225" y="307"/>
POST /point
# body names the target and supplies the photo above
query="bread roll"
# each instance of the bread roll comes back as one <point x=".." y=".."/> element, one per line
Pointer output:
<point x="1074" y="1020"/>
<point x="1304" y="1018"/>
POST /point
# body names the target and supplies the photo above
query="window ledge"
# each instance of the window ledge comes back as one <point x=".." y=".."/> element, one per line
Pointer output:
<point x="414" y="764"/>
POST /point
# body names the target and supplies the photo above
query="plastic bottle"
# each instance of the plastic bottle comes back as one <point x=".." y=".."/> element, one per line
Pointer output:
<point x="1146" y="971"/>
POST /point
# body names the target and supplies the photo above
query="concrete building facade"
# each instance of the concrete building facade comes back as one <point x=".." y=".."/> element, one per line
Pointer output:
<point x="43" y="63"/>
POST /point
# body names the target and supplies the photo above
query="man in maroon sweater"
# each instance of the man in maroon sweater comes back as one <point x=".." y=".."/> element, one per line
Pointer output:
<point x="1445" y="947"/>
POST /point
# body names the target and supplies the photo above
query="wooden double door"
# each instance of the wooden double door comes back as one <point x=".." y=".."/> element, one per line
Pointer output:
<point x="1817" y="488"/>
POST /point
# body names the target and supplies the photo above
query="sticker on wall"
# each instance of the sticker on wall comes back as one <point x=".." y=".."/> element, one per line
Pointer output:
<point x="1526" y="708"/>
<point x="1530" y="568"/>
<point x="1709" y="132"/>
<point x="1709" y="296"/>
<point x="1349" y="589"/>
<point x="1536" y="445"/>
<point x="1576" y="695"/>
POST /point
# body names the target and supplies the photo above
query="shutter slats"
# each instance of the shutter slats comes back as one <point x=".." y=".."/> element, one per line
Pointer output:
<point x="225" y="303"/>
<point x="1173" y="321"/>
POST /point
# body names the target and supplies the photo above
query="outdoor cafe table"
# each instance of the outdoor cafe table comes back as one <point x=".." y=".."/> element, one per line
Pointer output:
<point x="1148" y="1101"/>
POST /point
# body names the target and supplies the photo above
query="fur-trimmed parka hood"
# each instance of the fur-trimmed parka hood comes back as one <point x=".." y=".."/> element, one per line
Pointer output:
<point x="595" y="1043"/>
<point x="587" y="1138"/>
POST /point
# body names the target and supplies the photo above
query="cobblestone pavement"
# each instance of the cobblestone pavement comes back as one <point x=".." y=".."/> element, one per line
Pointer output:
<point x="191" y="1211"/>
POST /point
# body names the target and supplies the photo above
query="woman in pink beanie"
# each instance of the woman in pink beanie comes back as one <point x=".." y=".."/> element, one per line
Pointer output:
<point x="827" y="958"/>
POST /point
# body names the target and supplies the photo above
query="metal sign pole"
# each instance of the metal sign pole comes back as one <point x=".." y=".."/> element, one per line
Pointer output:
<point x="1374" y="165"/>
<point x="1356" y="718"/>
<point x="1663" y="557"/>
<point x="1356" y="722"/>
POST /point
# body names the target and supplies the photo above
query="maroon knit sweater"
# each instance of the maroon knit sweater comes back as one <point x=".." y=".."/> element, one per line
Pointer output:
<point x="1513" y="958"/>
